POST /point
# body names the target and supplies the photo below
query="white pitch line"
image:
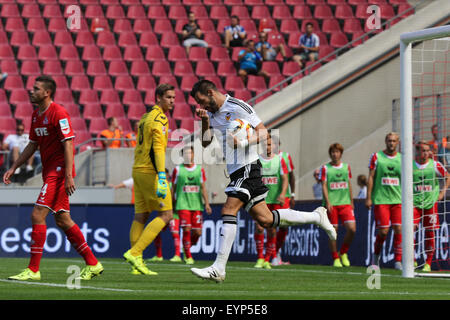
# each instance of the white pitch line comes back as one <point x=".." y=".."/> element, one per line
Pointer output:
<point x="58" y="285"/>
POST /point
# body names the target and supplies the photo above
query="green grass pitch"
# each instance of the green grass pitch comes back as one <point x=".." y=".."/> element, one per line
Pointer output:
<point x="175" y="281"/>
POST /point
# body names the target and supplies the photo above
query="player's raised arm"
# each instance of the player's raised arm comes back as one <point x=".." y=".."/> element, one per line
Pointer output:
<point x="207" y="135"/>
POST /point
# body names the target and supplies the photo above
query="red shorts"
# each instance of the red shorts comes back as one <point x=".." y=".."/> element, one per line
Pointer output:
<point x="344" y="213"/>
<point x="430" y="217"/>
<point x="276" y="206"/>
<point x="53" y="195"/>
<point x="193" y="219"/>
<point x="387" y="215"/>
<point x="174" y="225"/>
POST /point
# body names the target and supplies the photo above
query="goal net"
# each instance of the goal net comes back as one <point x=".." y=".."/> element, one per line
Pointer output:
<point x="424" y="116"/>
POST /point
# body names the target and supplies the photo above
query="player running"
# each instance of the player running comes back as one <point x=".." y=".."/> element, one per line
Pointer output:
<point x="191" y="198"/>
<point x="338" y="199"/>
<point x="51" y="132"/>
<point x="426" y="173"/>
<point x="151" y="190"/>
<point x="246" y="188"/>
<point x="385" y="192"/>
<point x="275" y="178"/>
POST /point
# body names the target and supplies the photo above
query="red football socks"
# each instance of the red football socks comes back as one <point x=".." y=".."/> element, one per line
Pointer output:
<point x="259" y="240"/>
<point x="270" y="247"/>
<point x="398" y="247"/>
<point x="187" y="244"/>
<point x="176" y="242"/>
<point x="158" y="246"/>
<point x="76" y="238"/>
<point x="38" y="235"/>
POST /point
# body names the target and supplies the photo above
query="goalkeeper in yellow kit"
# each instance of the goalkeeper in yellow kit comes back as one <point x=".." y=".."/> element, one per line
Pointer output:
<point x="150" y="184"/>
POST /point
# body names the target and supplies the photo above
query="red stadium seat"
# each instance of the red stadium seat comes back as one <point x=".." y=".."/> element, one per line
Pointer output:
<point x="91" y="53"/>
<point x="5" y="110"/>
<point x="68" y="52"/>
<point x="97" y="125"/>
<point x="213" y="39"/>
<point x="115" y="110"/>
<point x="233" y="83"/>
<point x="41" y="38"/>
<point x="9" y="66"/>
<point x="177" y="12"/>
<point x="170" y="79"/>
<point x="88" y="96"/>
<point x="10" y="10"/>
<point x="6" y="52"/>
<point x="182" y="68"/>
<point x="19" y="38"/>
<point x="136" y="110"/>
<point x="132" y="53"/>
<point x="92" y="110"/>
<point x="271" y="67"/>
<point x="13" y="82"/>
<point x="169" y="39"/>
<point x="313" y="21"/>
<point x="112" y="53"/>
<point x="57" y="24"/>
<point x="146" y="82"/>
<point x="281" y="12"/>
<point x="52" y="11"/>
<point x="187" y="124"/>
<point x="274" y="80"/>
<point x="6" y="125"/>
<point x="13" y="24"/>
<point x="105" y="39"/>
<point x="115" y="12"/>
<point x="80" y="82"/>
<point x="182" y="111"/>
<point x="23" y="110"/>
<point x="122" y="25"/>
<point x="63" y="38"/>
<point x="64" y="96"/>
<point x="352" y="25"/>
<point x="36" y="24"/>
<point x="205" y="69"/>
<point x="47" y="53"/>
<point x="132" y="96"/>
<point x="110" y="96"/>
<point x="338" y="39"/>
<point x="405" y="10"/>
<point x="198" y="54"/>
<point x="148" y="39"/>
<point x="30" y="68"/>
<point x="102" y="83"/>
<point x="155" y="53"/>
<point x="240" y="11"/>
<point x="162" y="26"/>
<point x="219" y="12"/>
<point x="343" y="11"/>
<point x="93" y="11"/>
<point x="356" y="2"/>
<point x="141" y="26"/>
<point x="289" y="25"/>
<point x="323" y="11"/>
<point x="260" y="12"/>
<point x="61" y="81"/>
<point x="233" y="2"/>
<point x="96" y="68"/>
<point x="156" y="12"/>
<point x="256" y="83"/>
<point x="324" y="51"/>
<point x="177" y="53"/>
<point x="52" y="67"/>
<point x="74" y="68"/>
<point x="243" y="94"/>
<point x="136" y="12"/>
<point x="73" y="110"/>
<point x="84" y="39"/>
<point x="27" y="52"/>
<point x="336" y="2"/>
<point x="78" y="124"/>
<point x="187" y="82"/>
<point x="219" y="54"/>
<point x="290" y="68"/>
<point x="200" y="13"/>
<point x="386" y="11"/>
<point x="123" y="83"/>
<point x="226" y="68"/>
<point x="139" y="68"/>
<point x="127" y="39"/>
<point x="302" y="12"/>
<point x="361" y="11"/>
<point x="331" y="26"/>
<point x="274" y="2"/>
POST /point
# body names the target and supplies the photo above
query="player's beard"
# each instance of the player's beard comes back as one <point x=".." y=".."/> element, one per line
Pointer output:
<point x="212" y="105"/>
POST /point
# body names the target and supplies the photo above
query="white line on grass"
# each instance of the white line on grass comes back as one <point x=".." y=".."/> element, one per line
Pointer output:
<point x="58" y="285"/>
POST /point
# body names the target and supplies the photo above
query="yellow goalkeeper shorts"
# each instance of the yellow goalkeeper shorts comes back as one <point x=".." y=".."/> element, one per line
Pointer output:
<point x="145" y="199"/>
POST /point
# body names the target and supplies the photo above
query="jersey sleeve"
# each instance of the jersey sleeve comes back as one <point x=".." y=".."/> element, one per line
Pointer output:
<point x="373" y="161"/>
<point x="64" y="126"/>
<point x="246" y="112"/>
<point x="440" y="169"/>
<point x="203" y="178"/>
<point x="128" y="183"/>
<point x="349" y="172"/>
<point x="283" y="167"/>
<point x="290" y="164"/>
<point x="159" y="127"/>
<point x="175" y="175"/>
<point x="323" y="174"/>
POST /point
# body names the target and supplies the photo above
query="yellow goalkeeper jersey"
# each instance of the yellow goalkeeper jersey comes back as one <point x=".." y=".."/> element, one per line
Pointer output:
<point x="153" y="134"/>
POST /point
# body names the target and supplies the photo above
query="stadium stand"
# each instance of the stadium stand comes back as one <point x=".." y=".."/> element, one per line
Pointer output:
<point x="142" y="47"/>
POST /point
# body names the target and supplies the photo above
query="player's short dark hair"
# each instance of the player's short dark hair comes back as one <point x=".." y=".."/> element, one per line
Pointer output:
<point x="362" y="179"/>
<point x="336" y="146"/>
<point x="109" y="120"/>
<point x="202" y="87"/>
<point x="235" y="17"/>
<point x="162" y="88"/>
<point x="309" y="24"/>
<point x="49" y="83"/>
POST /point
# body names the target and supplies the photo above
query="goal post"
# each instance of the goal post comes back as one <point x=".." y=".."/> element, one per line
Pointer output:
<point x="406" y="118"/>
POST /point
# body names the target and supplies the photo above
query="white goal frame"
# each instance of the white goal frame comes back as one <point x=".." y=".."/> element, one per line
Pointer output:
<point x="406" y="116"/>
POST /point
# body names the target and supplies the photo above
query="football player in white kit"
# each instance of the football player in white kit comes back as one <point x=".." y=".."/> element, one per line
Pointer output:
<point x="246" y="187"/>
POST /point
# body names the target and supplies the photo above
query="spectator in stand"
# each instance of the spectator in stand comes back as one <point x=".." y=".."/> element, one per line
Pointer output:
<point x="132" y="135"/>
<point x="114" y="133"/>
<point x="192" y="34"/>
<point x="443" y="153"/>
<point x="317" y="187"/>
<point x="250" y="62"/>
<point x="16" y="143"/>
<point x="435" y="143"/>
<point x="234" y="34"/>
<point x="309" y="46"/>
<point x="125" y="184"/>
<point x="267" y="51"/>
<point x="362" y="183"/>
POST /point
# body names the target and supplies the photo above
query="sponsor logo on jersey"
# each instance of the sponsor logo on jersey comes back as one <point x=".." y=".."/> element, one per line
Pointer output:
<point x="191" y="189"/>
<point x="423" y="188"/>
<point x="390" y="168"/>
<point x="228" y="116"/>
<point x="163" y="129"/>
<point x="270" y="180"/>
<point x="45" y="120"/>
<point x="338" y="185"/>
<point x="64" y="124"/>
<point x="390" y="181"/>
<point x="40" y="132"/>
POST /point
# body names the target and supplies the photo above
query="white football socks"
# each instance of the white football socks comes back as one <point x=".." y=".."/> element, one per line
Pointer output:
<point x="227" y="236"/>
<point x="289" y="217"/>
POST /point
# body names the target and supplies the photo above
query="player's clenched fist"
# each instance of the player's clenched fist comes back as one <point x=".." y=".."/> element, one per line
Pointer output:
<point x="202" y="113"/>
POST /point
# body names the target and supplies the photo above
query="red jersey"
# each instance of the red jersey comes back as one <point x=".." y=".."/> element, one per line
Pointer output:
<point x="49" y="130"/>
